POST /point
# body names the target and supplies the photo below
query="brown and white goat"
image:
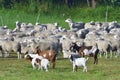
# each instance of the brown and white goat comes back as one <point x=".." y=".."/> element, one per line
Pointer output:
<point x="38" y="60"/>
<point x="48" y="54"/>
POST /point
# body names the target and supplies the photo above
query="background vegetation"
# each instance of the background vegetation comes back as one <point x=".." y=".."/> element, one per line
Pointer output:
<point x="45" y="11"/>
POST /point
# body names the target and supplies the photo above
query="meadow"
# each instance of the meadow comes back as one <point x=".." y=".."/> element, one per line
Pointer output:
<point x="13" y="69"/>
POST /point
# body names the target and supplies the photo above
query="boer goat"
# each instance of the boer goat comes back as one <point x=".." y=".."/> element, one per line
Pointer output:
<point x="38" y="60"/>
<point x="48" y="54"/>
<point x="77" y="62"/>
<point x="91" y="51"/>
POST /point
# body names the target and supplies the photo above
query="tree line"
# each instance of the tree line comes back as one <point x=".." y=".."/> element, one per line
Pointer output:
<point x="69" y="3"/>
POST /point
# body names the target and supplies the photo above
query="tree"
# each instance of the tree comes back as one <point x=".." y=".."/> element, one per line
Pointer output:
<point x="70" y="3"/>
<point x="92" y="3"/>
<point x="88" y="3"/>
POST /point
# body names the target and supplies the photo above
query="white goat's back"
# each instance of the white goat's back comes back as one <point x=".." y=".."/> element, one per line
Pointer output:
<point x="45" y="62"/>
<point x="80" y="61"/>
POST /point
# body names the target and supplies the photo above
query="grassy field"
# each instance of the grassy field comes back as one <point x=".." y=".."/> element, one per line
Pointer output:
<point x="13" y="69"/>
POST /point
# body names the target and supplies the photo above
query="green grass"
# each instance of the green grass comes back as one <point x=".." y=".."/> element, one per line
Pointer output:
<point x="58" y="14"/>
<point x="13" y="69"/>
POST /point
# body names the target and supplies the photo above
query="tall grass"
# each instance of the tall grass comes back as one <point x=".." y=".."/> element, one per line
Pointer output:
<point x="58" y="14"/>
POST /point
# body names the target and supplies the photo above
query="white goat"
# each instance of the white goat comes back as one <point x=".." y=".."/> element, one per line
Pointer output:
<point x="45" y="64"/>
<point x="77" y="62"/>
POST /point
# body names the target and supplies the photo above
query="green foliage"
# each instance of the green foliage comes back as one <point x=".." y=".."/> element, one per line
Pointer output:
<point x="58" y="14"/>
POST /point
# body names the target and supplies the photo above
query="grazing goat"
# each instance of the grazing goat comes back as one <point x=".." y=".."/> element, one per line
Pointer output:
<point x="77" y="62"/>
<point x="38" y="60"/>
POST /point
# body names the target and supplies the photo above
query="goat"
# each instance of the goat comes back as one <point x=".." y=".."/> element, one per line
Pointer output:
<point x="77" y="62"/>
<point x="48" y="54"/>
<point x="38" y="60"/>
<point x="91" y="51"/>
<point x="45" y="64"/>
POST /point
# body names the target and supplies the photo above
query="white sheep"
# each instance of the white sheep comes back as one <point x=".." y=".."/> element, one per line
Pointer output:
<point x="77" y="62"/>
<point x="18" y="25"/>
<point x="75" y="25"/>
